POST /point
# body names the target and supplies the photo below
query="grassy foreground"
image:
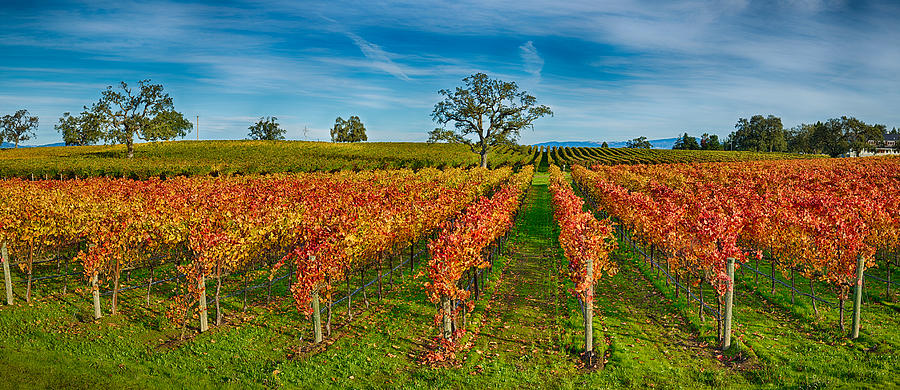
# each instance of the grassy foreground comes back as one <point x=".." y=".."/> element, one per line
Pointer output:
<point x="526" y="332"/>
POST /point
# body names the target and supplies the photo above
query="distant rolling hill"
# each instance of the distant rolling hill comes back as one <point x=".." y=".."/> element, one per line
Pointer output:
<point x="10" y="145"/>
<point x="665" y="143"/>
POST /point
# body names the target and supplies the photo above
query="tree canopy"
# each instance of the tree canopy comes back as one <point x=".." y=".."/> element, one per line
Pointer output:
<point x="639" y="143"/>
<point x="710" y="142"/>
<point x="759" y="133"/>
<point x="604" y="145"/>
<point x="18" y="127"/>
<point x="350" y="130"/>
<point x="686" y="142"/>
<point x="494" y="111"/>
<point x="124" y="113"/>
<point x="266" y="128"/>
<point x="836" y="136"/>
<point x="84" y="129"/>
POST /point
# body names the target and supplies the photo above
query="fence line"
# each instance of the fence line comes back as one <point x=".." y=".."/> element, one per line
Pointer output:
<point x="639" y="250"/>
<point x="785" y="284"/>
<point x="371" y="282"/>
<point x="691" y="295"/>
<point x="894" y="282"/>
<point x="155" y="282"/>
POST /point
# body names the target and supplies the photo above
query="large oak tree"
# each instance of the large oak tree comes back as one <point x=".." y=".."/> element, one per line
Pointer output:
<point x="146" y="112"/>
<point x="494" y="111"/>
<point x="267" y="129"/>
<point x="350" y="130"/>
<point x="18" y="127"/>
<point x="80" y="130"/>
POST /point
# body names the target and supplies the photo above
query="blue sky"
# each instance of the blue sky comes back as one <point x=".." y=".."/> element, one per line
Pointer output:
<point x="610" y="70"/>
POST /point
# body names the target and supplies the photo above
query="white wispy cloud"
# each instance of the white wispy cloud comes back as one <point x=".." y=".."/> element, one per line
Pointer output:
<point x="533" y="61"/>
<point x="380" y="58"/>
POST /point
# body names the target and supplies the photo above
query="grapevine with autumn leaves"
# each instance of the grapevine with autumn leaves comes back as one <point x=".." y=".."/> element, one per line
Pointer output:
<point x="581" y="235"/>
<point x="208" y="227"/>
<point x="461" y="243"/>
<point x="816" y="217"/>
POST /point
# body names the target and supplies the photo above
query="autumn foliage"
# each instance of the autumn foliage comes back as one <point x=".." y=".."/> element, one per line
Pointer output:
<point x="461" y="243"/>
<point x="211" y="226"/>
<point x="581" y="235"/>
<point x="814" y="216"/>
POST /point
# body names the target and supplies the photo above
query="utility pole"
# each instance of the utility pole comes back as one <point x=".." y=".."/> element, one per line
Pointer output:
<point x="198" y="127"/>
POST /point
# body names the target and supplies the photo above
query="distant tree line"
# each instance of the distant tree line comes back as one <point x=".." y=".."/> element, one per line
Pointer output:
<point x="707" y="142"/>
<point x="834" y="137"/>
<point x="147" y="112"/>
<point x="639" y="143"/>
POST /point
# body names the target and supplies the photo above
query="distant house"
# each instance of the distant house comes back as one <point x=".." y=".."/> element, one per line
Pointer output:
<point x="888" y="146"/>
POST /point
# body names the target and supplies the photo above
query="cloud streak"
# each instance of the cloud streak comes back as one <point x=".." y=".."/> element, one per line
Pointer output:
<point x="532" y="60"/>
<point x="380" y="58"/>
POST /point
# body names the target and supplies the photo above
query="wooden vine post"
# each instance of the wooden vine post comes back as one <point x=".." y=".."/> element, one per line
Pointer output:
<point x="218" y="293"/>
<point x="30" y="268"/>
<point x="95" y="291"/>
<point x="6" y="276"/>
<point x="317" y="313"/>
<point x="857" y="297"/>
<point x="729" y="301"/>
<point x="317" y="316"/>
<point x="204" y="322"/>
<point x="447" y="330"/>
<point x="589" y="313"/>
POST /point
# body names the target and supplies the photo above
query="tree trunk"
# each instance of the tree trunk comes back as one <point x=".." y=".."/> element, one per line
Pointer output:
<point x="483" y="156"/>
<point x="129" y="144"/>
<point x="7" y="278"/>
